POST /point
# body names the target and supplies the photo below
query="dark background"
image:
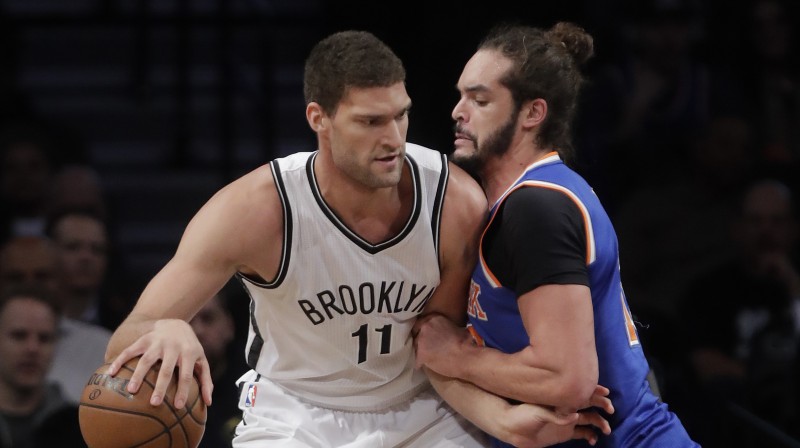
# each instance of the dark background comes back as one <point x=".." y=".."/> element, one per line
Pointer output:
<point x="170" y="100"/>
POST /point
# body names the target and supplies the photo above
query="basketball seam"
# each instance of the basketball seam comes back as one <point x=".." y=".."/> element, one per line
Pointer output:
<point x="178" y="418"/>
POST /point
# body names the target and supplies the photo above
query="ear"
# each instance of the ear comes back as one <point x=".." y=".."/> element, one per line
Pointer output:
<point x="314" y="116"/>
<point x="533" y="112"/>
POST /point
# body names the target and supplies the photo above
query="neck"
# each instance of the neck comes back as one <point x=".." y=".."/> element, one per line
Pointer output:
<point x="375" y="214"/>
<point x="499" y="173"/>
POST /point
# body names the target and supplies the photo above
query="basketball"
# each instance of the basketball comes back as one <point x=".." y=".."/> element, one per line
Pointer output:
<point x="111" y="417"/>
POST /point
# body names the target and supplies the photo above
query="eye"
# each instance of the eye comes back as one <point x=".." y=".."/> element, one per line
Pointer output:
<point x="371" y="121"/>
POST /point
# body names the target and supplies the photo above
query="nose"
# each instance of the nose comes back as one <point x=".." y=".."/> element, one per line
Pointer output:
<point x="395" y="135"/>
<point x="33" y="344"/>
<point x="458" y="113"/>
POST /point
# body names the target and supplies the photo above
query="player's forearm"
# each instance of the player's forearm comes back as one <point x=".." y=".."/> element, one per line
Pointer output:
<point x="483" y="409"/>
<point x="529" y="377"/>
<point x="523" y="425"/>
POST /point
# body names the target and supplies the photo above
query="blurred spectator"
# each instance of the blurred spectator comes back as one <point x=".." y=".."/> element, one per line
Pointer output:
<point x="32" y="261"/>
<point x="28" y="260"/>
<point x="28" y="332"/>
<point x="215" y="328"/>
<point x="742" y="335"/>
<point x="26" y="168"/>
<point x="81" y="242"/>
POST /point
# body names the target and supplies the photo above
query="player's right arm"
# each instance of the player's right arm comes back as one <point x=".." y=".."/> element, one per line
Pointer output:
<point x="545" y="241"/>
<point x="524" y="425"/>
<point x="238" y="229"/>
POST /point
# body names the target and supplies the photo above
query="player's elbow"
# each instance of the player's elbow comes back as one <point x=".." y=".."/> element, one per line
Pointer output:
<point x="579" y="384"/>
<point x="575" y="381"/>
<point x="576" y="390"/>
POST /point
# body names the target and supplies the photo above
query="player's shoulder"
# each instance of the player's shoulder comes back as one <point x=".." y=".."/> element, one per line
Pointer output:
<point x="252" y="191"/>
<point x="541" y="196"/>
<point x="424" y="157"/>
<point x="464" y="196"/>
<point x="541" y="206"/>
<point x="291" y="162"/>
<point x="465" y="186"/>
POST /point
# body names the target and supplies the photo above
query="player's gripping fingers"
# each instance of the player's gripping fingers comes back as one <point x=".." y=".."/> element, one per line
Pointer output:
<point x="185" y="376"/>
<point x="600" y="399"/>
<point x="186" y="373"/>
<point x="164" y="377"/>
<point x="585" y="433"/>
<point x="592" y="418"/>
<point x="203" y="373"/>
<point x="124" y="356"/>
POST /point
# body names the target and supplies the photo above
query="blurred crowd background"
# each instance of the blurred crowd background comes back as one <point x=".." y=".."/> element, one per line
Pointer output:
<point x="120" y="118"/>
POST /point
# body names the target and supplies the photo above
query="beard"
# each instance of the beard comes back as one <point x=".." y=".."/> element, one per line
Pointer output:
<point x="495" y="145"/>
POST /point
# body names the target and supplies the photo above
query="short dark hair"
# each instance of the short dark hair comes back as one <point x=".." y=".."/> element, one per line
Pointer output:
<point x="41" y="294"/>
<point x="545" y="64"/>
<point x="348" y="59"/>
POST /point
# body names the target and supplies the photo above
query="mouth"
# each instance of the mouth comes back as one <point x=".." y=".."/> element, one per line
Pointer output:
<point x="29" y="368"/>
<point x="462" y="137"/>
<point x="389" y="158"/>
<point x="463" y="140"/>
<point x="388" y="162"/>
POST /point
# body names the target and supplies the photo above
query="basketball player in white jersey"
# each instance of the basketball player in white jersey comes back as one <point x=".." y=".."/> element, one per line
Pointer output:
<point x="340" y="250"/>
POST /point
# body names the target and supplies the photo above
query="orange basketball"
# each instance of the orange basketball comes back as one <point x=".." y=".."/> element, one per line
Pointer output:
<point x="111" y="417"/>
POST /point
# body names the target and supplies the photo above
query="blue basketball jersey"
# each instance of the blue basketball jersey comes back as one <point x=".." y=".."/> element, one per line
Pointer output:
<point x="640" y="419"/>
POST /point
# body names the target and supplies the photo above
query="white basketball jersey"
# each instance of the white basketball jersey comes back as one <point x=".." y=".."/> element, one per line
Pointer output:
<point x="333" y="327"/>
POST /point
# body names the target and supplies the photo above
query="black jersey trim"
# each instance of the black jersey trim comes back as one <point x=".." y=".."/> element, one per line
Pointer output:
<point x="438" y="204"/>
<point x="350" y="234"/>
<point x="286" y="251"/>
<point x="258" y="341"/>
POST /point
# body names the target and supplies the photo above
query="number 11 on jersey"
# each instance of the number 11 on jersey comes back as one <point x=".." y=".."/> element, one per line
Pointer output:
<point x="363" y="335"/>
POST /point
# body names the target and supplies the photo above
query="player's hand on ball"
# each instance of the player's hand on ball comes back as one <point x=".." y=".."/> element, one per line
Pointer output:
<point x="111" y="417"/>
<point x="174" y="344"/>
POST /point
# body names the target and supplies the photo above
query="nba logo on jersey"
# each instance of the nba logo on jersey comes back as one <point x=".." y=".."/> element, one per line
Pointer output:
<point x="250" y="399"/>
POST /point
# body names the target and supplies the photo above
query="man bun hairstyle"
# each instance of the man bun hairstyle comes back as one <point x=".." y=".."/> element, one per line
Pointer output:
<point x="575" y="40"/>
<point x="545" y="64"/>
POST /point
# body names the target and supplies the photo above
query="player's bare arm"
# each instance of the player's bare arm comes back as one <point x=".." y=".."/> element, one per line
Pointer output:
<point x="525" y="425"/>
<point x="215" y="245"/>
<point x="558" y="368"/>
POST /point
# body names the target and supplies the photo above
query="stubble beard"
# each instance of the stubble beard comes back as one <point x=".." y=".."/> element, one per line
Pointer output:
<point x="370" y="179"/>
<point x="495" y="145"/>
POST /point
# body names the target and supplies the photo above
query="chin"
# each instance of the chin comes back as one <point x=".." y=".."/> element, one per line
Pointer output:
<point x="384" y="180"/>
<point x="468" y="163"/>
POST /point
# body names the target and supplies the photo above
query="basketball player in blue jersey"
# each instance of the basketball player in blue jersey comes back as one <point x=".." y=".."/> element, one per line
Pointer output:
<point x="548" y="316"/>
<point x="340" y="250"/>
